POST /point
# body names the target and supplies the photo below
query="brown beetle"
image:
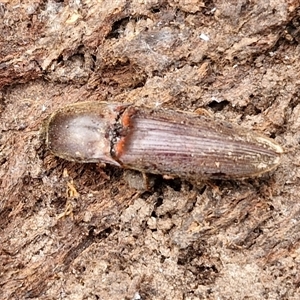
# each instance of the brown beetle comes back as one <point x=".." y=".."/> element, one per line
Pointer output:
<point x="159" y="141"/>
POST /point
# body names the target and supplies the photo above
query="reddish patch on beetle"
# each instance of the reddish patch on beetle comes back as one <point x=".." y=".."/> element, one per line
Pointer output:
<point x="126" y="117"/>
<point x="126" y="122"/>
<point x="119" y="147"/>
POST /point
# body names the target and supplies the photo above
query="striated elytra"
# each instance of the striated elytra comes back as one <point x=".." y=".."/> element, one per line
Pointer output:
<point x="159" y="141"/>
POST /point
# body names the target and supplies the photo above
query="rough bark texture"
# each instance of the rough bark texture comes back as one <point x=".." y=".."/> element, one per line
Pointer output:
<point x="74" y="231"/>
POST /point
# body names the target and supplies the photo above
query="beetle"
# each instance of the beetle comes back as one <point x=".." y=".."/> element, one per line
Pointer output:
<point x="159" y="141"/>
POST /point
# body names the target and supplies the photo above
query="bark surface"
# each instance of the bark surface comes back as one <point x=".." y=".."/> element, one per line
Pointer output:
<point x="86" y="231"/>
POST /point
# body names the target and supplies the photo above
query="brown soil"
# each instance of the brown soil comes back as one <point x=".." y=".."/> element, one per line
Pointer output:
<point x="84" y="231"/>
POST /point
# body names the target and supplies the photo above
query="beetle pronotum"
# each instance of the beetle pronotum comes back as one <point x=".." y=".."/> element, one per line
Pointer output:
<point x="159" y="141"/>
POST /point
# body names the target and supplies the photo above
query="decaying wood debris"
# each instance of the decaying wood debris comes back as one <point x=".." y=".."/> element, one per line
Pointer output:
<point x="84" y="231"/>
